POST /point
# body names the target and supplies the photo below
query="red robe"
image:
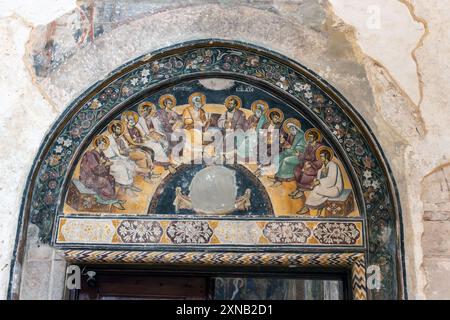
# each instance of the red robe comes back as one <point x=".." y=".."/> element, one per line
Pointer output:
<point x="305" y="175"/>
<point x="95" y="175"/>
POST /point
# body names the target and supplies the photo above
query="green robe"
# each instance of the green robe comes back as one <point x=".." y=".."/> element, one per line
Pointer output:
<point x="288" y="158"/>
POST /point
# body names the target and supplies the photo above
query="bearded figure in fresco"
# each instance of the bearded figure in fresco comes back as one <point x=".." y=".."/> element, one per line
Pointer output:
<point x="292" y="145"/>
<point x="150" y="125"/>
<point x="233" y="124"/>
<point x="328" y="183"/>
<point x="233" y="118"/>
<point x="195" y="122"/>
<point x="258" y="119"/>
<point x="275" y="119"/>
<point x="306" y="171"/>
<point x="194" y="116"/>
<point x="136" y="138"/>
<point x="123" y="168"/>
<point x="95" y="173"/>
<point x="143" y="161"/>
<point x="255" y="124"/>
<point x="166" y="116"/>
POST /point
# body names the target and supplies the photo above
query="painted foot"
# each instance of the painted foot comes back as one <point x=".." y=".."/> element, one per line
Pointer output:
<point x="299" y="195"/>
<point x="276" y="184"/>
<point x="119" y="205"/>
<point x="304" y="211"/>
<point x="136" y="189"/>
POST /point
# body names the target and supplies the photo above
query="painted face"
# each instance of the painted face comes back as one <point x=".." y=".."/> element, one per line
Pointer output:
<point x="168" y="103"/>
<point x="311" y="138"/>
<point x="276" y="118"/>
<point x="324" y="157"/>
<point x="259" y="110"/>
<point x="102" y="144"/>
<point x="117" y="130"/>
<point x="197" y="101"/>
<point x="131" y="121"/>
<point x="293" y="130"/>
<point x="232" y="104"/>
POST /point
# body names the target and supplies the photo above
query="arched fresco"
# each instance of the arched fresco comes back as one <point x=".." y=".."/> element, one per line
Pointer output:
<point x="139" y="170"/>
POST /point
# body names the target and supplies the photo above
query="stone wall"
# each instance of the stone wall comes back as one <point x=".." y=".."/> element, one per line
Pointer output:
<point x="388" y="58"/>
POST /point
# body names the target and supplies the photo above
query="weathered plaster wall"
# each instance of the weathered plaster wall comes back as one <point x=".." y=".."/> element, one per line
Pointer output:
<point x="390" y="63"/>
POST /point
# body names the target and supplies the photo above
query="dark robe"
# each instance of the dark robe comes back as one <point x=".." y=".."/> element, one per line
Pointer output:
<point x="305" y="175"/>
<point x="135" y="135"/>
<point x="95" y="175"/>
<point x="269" y="144"/>
<point x="238" y="120"/>
<point x="122" y="145"/>
<point x="168" y="119"/>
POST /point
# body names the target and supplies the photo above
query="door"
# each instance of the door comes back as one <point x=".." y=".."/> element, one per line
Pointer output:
<point x="226" y="284"/>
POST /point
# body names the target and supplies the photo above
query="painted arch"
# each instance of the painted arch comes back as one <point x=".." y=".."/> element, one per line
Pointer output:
<point x="143" y="207"/>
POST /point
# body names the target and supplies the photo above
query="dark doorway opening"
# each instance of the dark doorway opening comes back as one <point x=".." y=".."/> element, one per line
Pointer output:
<point x="215" y="283"/>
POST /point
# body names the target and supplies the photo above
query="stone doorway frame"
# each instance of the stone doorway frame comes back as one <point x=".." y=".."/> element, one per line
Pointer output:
<point x="354" y="262"/>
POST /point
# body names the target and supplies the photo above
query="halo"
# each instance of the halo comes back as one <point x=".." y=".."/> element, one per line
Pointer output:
<point x="203" y="98"/>
<point x="164" y="97"/>
<point x="239" y="101"/>
<point x="273" y="110"/>
<point x="292" y="121"/>
<point x="101" y="137"/>
<point x="115" y="122"/>
<point x="145" y="105"/>
<point x="319" y="134"/>
<point x="318" y="151"/>
<point x="125" y="115"/>
<point x="261" y="102"/>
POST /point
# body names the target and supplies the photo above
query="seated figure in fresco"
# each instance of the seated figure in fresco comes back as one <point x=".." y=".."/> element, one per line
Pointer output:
<point x="95" y="173"/>
<point x="150" y="125"/>
<point x="126" y="162"/>
<point x="194" y="116"/>
<point x="233" y="124"/>
<point x="306" y="171"/>
<point x="328" y="183"/>
<point x="292" y="145"/>
<point x="122" y="168"/>
<point x="136" y="139"/>
<point x="166" y="116"/>
<point x="143" y="161"/>
<point x="258" y="119"/>
<point x="233" y="118"/>
<point x="255" y="124"/>
<point x="274" y="122"/>
<point x="195" y="121"/>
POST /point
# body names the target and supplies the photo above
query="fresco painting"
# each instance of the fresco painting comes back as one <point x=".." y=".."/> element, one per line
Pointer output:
<point x="168" y="155"/>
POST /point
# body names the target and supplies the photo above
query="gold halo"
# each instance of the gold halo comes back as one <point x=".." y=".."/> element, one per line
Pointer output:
<point x="145" y="105"/>
<point x="294" y="121"/>
<point x="164" y="98"/>
<point x="99" y="137"/>
<point x="319" y="134"/>
<point x="262" y="102"/>
<point x="275" y="110"/>
<point x="203" y="97"/>
<point x="125" y="115"/>
<point x="318" y="151"/>
<point x="239" y="101"/>
<point x="115" y="122"/>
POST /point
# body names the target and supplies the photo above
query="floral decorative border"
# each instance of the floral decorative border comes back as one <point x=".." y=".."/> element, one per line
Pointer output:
<point x="229" y="59"/>
<point x="86" y="232"/>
